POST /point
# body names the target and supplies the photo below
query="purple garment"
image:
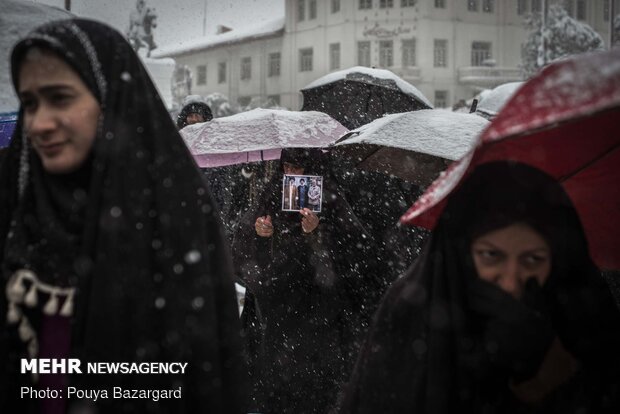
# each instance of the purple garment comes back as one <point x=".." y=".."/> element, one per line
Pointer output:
<point x="54" y="342"/>
<point x="7" y="126"/>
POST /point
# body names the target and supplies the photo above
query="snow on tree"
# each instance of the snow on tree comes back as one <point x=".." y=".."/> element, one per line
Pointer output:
<point x="220" y="105"/>
<point x="564" y="36"/>
<point x="261" y="102"/>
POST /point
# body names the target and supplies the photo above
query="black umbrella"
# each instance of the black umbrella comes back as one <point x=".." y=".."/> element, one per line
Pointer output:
<point x="357" y="96"/>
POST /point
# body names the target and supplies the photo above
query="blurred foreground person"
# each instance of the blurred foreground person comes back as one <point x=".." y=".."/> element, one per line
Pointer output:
<point x="310" y="274"/>
<point x="110" y="247"/>
<point x="504" y="311"/>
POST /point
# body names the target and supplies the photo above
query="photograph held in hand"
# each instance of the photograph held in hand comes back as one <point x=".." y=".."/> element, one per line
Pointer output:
<point x="302" y="191"/>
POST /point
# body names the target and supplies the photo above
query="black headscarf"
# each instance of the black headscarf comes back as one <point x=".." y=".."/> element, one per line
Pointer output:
<point x="311" y="159"/>
<point x="418" y="355"/>
<point x="134" y="231"/>
<point x="200" y="108"/>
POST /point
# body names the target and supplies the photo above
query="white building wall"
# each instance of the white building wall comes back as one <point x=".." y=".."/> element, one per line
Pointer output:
<point x="503" y="28"/>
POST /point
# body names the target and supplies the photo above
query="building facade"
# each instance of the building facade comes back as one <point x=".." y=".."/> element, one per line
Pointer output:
<point x="448" y="49"/>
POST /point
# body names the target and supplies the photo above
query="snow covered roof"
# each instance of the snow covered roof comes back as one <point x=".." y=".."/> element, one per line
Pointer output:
<point x="437" y="132"/>
<point x="403" y="85"/>
<point x="248" y="32"/>
<point x="262" y="129"/>
<point x="19" y="17"/>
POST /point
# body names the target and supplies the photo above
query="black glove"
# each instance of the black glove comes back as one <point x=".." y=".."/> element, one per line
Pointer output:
<point x="516" y="333"/>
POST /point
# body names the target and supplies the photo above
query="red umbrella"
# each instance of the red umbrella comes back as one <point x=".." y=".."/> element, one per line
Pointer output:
<point x="566" y="122"/>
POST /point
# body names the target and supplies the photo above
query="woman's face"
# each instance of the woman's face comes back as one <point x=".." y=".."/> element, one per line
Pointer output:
<point x="510" y="256"/>
<point x="60" y="112"/>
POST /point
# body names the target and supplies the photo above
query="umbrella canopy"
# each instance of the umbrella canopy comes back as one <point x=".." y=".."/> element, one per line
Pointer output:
<point x="565" y="122"/>
<point x="414" y="146"/>
<point x="359" y="95"/>
<point x="258" y="135"/>
<point x="230" y="150"/>
<point x="492" y="102"/>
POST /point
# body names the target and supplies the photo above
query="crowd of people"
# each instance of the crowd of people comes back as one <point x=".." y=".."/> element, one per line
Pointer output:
<point x="112" y="249"/>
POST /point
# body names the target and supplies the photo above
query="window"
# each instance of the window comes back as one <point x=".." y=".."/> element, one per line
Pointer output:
<point x="407" y="3"/>
<point x="441" y="99"/>
<point x="480" y="52"/>
<point x="312" y="10"/>
<point x="606" y="10"/>
<point x="440" y="4"/>
<point x="440" y="53"/>
<point x="386" y="53"/>
<point x="536" y="6"/>
<point x="408" y="52"/>
<point x="568" y="6"/>
<point x="274" y="64"/>
<point x="363" y="53"/>
<point x="472" y="5"/>
<point x="386" y="4"/>
<point x="581" y="10"/>
<point x="335" y="6"/>
<point x="246" y="68"/>
<point x="521" y="7"/>
<point x="221" y="72"/>
<point x="202" y="75"/>
<point x="273" y="100"/>
<point x="301" y="10"/>
<point x="365" y="4"/>
<point x="305" y="59"/>
<point x="488" y="6"/>
<point x="334" y="56"/>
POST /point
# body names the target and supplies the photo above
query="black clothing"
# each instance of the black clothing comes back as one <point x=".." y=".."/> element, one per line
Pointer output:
<point x="302" y="193"/>
<point x="379" y="200"/>
<point x="314" y="291"/>
<point x="236" y="188"/>
<point x="200" y="108"/>
<point x="442" y="341"/>
<point x="134" y="231"/>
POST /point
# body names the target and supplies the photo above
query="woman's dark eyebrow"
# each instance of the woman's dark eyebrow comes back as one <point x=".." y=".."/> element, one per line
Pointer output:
<point x="487" y="243"/>
<point x="49" y="89"/>
<point x="537" y="249"/>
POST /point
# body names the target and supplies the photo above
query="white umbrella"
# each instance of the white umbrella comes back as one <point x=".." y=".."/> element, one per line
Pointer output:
<point x="494" y="100"/>
<point x="415" y="146"/>
<point x="258" y="135"/>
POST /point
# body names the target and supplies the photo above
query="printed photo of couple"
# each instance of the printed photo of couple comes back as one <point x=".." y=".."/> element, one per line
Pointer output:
<point x="302" y="191"/>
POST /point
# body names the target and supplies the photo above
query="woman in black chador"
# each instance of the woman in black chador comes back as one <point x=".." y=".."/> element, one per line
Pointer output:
<point x="314" y="286"/>
<point x="504" y="312"/>
<point x="110" y="248"/>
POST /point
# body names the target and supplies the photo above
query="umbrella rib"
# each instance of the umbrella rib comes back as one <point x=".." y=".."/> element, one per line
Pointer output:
<point x="587" y="165"/>
<point x="370" y="154"/>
